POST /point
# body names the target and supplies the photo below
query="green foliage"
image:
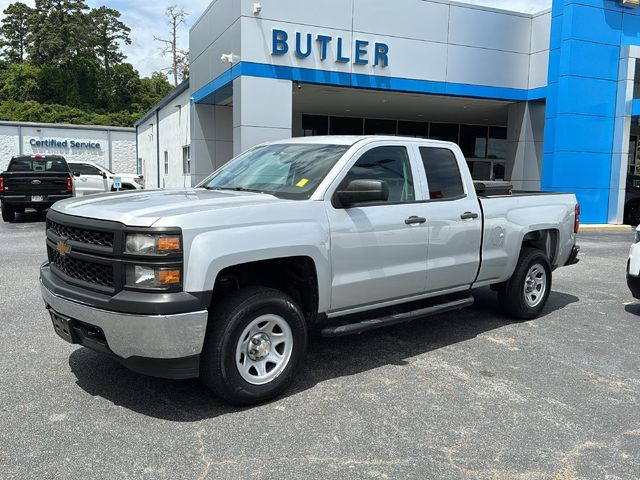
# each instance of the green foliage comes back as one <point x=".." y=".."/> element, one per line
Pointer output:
<point x="21" y="82"/>
<point x="62" y="62"/>
<point x="14" y="30"/>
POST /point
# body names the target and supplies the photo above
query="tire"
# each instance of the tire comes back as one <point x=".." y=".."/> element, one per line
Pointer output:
<point x="8" y="213"/>
<point x="253" y="314"/>
<point x="526" y="293"/>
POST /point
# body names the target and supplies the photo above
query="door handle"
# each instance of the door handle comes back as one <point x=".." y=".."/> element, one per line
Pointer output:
<point x="415" y="220"/>
<point x="468" y="215"/>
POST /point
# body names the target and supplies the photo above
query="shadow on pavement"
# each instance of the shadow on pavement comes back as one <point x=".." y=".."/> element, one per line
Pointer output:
<point x="188" y="400"/>
<point x="633" y="308"/>
<point x="30" y="217"/>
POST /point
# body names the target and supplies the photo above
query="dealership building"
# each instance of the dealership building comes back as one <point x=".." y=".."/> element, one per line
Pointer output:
<point x="548" y="100"/>
<point x="111" y="147"/>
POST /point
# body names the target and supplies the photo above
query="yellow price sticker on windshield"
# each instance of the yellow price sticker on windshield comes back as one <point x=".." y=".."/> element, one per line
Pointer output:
<point x="302" y="182"/>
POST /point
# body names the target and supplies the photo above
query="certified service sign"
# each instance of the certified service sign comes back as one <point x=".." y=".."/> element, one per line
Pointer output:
<point x="629" y="3"/>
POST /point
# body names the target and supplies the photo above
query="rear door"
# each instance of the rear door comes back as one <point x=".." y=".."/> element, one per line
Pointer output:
<point x="378" y="251"/>
<point x="90" y="181"/>
<point x="454" y="220"/>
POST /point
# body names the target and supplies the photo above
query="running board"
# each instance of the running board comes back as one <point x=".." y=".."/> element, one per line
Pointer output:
<point x="359" y="327"/>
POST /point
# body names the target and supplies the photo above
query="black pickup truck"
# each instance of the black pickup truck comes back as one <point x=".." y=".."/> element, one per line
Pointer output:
<point x="36" y="181"/>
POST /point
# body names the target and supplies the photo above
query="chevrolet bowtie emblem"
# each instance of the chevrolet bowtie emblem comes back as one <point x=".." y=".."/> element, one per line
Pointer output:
<point x="63" y="248"/>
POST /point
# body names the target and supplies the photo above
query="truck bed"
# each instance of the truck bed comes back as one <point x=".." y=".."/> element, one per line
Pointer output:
<point x="507" y="218"/>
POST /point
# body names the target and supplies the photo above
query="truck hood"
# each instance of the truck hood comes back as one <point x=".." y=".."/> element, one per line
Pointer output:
<point x="144" y="208"/>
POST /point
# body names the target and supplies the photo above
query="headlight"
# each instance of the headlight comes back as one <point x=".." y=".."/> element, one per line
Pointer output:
<point x="153" y="244"/>
<point x="637" y="239"/>
<point x="142" y="276"/>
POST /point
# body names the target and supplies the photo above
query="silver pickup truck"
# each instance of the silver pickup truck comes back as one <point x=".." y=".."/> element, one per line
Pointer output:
<point x="335" y="235"/>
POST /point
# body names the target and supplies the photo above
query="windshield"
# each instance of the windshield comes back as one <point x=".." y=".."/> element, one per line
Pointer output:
<point x="290" y="171"/>
<point x="29" y="164"/>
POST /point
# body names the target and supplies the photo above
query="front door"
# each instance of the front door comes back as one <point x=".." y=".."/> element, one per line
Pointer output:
<point x="454" y="223"/>
<point x="378" y="252"/>
<point x="90" y="181"/>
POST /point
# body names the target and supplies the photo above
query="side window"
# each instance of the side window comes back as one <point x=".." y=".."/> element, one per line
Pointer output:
<point x="443" y="174"/>
<point x="85" y="169"/>
<point x="389" y="164"/>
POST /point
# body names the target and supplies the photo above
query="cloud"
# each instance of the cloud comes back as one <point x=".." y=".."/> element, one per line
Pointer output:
<point x="146" y="20"/>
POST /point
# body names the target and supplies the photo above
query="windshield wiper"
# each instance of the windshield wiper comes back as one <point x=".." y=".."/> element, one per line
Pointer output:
<point x="237" y="189"/>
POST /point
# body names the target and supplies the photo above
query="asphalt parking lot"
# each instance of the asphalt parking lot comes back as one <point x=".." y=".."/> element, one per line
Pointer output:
<point x="462" y="395"/>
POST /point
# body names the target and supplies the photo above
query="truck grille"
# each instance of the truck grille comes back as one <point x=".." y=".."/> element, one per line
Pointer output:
<point x="92" y="237"/>
<point x="90" y="272"/>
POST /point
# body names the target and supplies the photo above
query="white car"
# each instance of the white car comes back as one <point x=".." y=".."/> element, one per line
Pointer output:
<point x="633" y="267"/>
<point x="92" y="178"/>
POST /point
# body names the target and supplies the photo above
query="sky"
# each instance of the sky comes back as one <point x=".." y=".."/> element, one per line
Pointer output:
<point x="146" y="19"/>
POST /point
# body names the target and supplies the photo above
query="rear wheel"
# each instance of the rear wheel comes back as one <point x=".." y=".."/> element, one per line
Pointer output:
<point x="8" y="213"/>
<point x="525" y="294"/>
<point x="256" y="341"/>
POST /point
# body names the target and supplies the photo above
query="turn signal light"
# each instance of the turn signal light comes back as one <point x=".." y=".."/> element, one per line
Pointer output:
<point x="168" y="244"/>
<point x="69" y="184"/>
<point x="169" y="277"/>
<point x="576" y="225"/>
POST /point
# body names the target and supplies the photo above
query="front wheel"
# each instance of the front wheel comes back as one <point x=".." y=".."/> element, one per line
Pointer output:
<point x="8" y="213"/>
<point x="525" y="294"/>
<point x="256" y="341"/>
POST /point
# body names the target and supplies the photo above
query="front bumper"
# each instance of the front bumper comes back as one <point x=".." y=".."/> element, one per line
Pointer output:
<point x="160" y="345"/>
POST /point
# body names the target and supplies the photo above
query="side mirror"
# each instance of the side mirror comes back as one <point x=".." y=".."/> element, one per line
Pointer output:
<point x="76" y="174"/>
<point x="362" y="191"/>
<point x="104" y="175"/>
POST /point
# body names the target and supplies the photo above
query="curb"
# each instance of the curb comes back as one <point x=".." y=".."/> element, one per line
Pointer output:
<point x="606" y="228"/>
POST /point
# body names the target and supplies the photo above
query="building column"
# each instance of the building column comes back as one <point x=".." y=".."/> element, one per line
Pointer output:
<point x="580" y="143"/>
<point x="525" y="135"/>
<point x="262" y="111"/>
<point x="622" y="132"/>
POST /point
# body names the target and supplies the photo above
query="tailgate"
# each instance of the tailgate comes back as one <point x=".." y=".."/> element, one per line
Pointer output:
<point x="36" y="183"/>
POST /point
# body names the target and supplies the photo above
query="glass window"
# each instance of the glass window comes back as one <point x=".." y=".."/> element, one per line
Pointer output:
<point x="345" y="126"/>
<point x="480" y="170"/>
<point x="497" y="146"/>
<point x="498" y="171"/>
<point x="85" y="169"/>
<point x="313" y="125"/>
<point x="186" y="160"/>
<point x="414" y="129"/>
<point x="166" y="162"/>
<point x="444" y="131"/>
<point x="30" y="164"/>
<point x="375" y="126"/>
<point x="443" y="174"/>
<point x="139" y="166"/>
<point x="389" y="164"/>
<point x="473" y="141"/>
<point x="291" y="171"/>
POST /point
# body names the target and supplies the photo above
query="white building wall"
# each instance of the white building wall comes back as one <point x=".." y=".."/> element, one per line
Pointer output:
<point x="428" y="39"/>
<point x="147" y="152"/>
<point x="172" y="134"/>
<point x="119" y="154"/>
<point x="175" y="119"/>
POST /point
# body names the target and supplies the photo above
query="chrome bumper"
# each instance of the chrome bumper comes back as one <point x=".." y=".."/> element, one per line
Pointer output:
<point x="153" y="336"/>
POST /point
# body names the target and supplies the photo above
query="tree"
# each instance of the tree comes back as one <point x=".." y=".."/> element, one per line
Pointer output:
<point x="60" y="32"/>
<point x="179" y="58"/>
<point x="14" y="32"/>
<point x="20" y="82"/>
<point x="108" y="33"/>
